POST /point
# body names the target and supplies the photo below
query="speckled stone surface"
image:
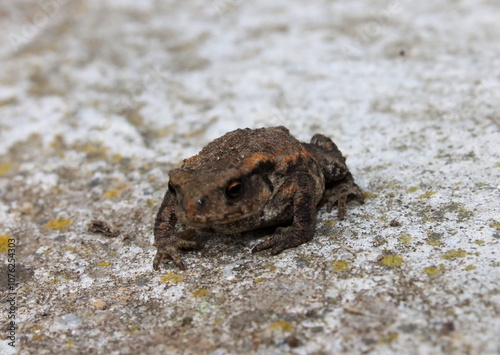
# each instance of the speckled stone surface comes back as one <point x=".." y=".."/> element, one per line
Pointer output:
<point x="100" y="99"/>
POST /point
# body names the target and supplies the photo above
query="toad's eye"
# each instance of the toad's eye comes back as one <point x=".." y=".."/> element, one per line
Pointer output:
<point x="172" y="189"/>
<point x="234" y="189"/>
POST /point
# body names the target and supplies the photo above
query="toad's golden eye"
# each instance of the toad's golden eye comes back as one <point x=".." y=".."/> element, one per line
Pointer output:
<point x="234" y="189"/>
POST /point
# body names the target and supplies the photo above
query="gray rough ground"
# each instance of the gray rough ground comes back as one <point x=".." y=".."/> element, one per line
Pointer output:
<point x="100" y="99"/>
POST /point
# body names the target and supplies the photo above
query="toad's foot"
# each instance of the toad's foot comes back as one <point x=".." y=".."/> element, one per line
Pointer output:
<point x="284" y="238"/>
<point x="341" y="193"/>
<point x="168" y="248"/>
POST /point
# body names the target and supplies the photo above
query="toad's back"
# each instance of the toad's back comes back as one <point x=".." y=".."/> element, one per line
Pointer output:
<point x="240" y="145"/>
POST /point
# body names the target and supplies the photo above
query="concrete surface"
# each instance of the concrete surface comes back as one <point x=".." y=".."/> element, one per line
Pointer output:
<point x="100" y="99"/>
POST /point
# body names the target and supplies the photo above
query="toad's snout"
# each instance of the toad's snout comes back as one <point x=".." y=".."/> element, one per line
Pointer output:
<point x="194" y="207"/>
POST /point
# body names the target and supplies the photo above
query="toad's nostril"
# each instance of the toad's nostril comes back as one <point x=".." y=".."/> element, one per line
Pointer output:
<point x="202" y="201"/>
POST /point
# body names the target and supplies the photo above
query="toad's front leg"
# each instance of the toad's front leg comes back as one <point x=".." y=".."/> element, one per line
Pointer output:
<point x="304" y="217"/>
<point x="167" y="241"/>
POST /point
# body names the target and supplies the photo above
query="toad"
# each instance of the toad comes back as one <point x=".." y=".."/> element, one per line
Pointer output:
<point x="250" y="179"/>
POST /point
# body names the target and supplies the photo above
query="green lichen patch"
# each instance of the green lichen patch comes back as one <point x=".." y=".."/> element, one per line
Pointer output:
<point x="4" y="242"/>
<point x="329" y="223"/>
<point x="454" y="254"/>
<point x="434" y="239"/>
<point x="111" y="194"/>
<point x="412" y="189"/>
<point x="93" y="150"/>
<point x="427" y="194"/>
<point x="405" y="239"/>
<point x="202" y="292"/>
<point x="340" y="265"/>
<point x="171" y="277"/>
<point x="271" y="267"/>
<point x="392" y="260"/>
<point x="369" y="195"/>
<point x="461" y="212"/>
<point x="283" y="325"/>
<point x="389" y="338"/>
<point x="58" y="223"/>
<point x="431" y="270"/>
<point x="5" y="167"/>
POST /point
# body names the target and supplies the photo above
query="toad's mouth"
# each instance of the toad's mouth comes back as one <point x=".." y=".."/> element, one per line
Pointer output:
<point x="201" y="221"/>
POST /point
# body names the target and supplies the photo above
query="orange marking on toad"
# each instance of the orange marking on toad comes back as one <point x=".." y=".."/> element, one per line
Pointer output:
<point x="281" y="150"/>
<point x="295" y="156"/>
<point x="255" y="159"/>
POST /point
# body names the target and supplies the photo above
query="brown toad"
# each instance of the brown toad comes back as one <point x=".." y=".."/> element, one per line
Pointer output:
<point x="250" y="179"/>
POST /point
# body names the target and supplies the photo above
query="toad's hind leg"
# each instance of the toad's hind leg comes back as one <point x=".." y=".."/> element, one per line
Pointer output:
<point x="326" y="143"/>
<point x="340" y="192"/>
<point x="339" y="183"/>
<point x="329" y="156"/>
